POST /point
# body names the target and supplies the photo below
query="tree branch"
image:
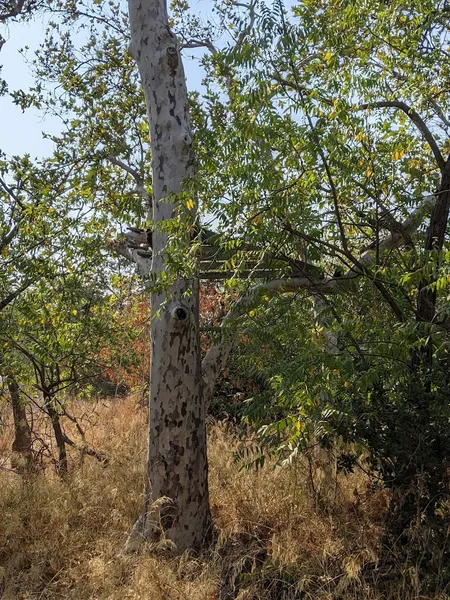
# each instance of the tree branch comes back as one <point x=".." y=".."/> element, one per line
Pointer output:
<point x="10" y="235"/>
<point x="418" y="122"/>
<point x="217" y="355"/>
<point x="440" y="113"/>
<point x="140" y="187"/>
<point x="13" y="295"/>
<point x="193" y="43"/>
<point x="135" y="254"/>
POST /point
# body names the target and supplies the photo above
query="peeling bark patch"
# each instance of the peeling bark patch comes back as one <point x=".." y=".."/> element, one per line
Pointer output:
<point x="173" y="102"/>
<point x="161" y="167"/>
<point x="175" y="338"/>
<point x="158" y="107"/>
<point x="175" y="453"/>
<point x="172" y="60"/>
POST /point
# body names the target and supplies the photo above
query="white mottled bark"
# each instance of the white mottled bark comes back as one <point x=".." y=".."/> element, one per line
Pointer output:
<point x="177" y="462"/>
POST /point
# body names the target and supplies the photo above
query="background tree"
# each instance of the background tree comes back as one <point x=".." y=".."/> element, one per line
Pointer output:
<point x="345" y="137"/>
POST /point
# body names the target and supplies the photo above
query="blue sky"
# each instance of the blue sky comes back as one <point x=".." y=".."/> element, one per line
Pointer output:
<point x="22" y="132"/>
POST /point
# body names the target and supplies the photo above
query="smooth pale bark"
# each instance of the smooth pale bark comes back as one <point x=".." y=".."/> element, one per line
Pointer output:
<point x="177" y="505"/>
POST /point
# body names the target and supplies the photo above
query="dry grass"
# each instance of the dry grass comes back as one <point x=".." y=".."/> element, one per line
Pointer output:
<point x="63" y="540"/>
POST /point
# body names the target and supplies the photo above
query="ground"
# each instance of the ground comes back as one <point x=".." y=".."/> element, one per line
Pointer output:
<point x="281" y="533"/>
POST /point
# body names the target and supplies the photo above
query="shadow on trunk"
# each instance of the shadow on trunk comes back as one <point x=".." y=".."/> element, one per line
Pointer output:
<point x="22" y="456"/>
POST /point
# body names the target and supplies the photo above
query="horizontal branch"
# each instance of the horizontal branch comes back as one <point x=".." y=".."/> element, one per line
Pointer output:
<point x="217" y="356"/>
<point x="199" y="44"/>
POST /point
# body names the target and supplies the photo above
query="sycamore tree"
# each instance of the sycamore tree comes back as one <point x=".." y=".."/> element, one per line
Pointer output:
<point x="105" y="150"/>
<point x="320" y="147"/>
<point x="328" y="147"/>
<point x="177" y="464"/>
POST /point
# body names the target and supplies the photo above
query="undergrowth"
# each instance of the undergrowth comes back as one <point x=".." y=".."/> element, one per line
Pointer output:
<point x="304" y="532"/>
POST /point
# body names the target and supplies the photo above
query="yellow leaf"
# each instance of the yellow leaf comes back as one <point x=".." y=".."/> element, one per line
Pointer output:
<point x="190" y="204"/>
<point x="398" y="154"/>
<point x="75" y="312"/>
<point x="252" y="313"/>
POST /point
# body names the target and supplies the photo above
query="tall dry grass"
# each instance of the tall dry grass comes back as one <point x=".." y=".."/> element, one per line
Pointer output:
<point x="276" y="539"/>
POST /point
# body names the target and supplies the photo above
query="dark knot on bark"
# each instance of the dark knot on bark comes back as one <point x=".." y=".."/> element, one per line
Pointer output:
<point x="180" y="314"/>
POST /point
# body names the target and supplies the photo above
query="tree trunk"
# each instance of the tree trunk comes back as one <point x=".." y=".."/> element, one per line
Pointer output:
<point x="60" y="438"/>
<point x="177" y="503"/>
<point x="22" y="457"/>
<point x="426" y="302"/>
<point x="421" y="482"/>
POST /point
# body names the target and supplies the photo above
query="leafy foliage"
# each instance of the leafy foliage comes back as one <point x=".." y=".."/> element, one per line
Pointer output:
<point x="322" y="137"/>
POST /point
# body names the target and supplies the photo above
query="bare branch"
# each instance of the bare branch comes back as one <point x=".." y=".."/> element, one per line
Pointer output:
<point x="140" y="187"/>
<point x="199" y="44"/>
<point x="86" y="449"/>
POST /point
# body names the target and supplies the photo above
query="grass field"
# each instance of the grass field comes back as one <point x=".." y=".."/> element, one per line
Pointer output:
<point x="303" y="532"/>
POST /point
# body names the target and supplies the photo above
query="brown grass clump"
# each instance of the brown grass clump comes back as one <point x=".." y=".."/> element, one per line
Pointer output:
<point x="276" y="538"/>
